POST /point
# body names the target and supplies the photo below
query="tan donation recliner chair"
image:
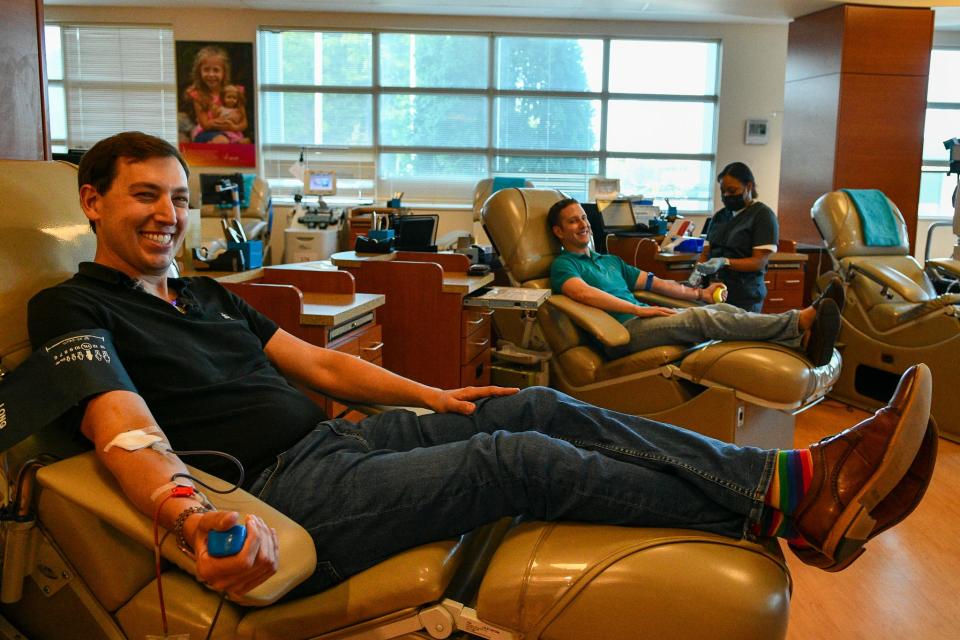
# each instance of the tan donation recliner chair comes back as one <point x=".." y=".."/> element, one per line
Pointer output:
<point x="893" y="318"/>
<point x="947" y="269"/>
<point x="743" y="392"/>
<point x="78" y="559"/>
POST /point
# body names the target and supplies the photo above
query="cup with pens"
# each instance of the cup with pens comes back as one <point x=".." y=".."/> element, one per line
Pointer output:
<point x="394" y="202"/>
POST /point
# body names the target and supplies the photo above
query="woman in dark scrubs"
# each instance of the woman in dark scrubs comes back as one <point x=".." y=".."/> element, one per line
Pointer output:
<point x="741" y="237"/>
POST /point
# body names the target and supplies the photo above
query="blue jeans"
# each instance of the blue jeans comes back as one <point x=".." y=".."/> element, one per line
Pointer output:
<point x="367" y="491"/>
<point x="711" y="322"/>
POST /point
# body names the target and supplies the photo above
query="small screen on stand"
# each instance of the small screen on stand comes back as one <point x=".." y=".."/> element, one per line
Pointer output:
<point x="209" y="194"/>
<point x="320" y="183"/>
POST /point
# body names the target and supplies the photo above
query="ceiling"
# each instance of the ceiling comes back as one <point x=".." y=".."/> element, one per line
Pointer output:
<point x="732" y="11"/>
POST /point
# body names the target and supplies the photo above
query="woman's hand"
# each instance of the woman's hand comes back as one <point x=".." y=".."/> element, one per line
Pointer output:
<point x="252" y="565"/>
<point x="460" y="400"/>
<point x="652" y="312"/>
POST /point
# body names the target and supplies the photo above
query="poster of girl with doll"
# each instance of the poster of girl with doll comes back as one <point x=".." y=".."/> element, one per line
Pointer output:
<point x="215" y="119"/>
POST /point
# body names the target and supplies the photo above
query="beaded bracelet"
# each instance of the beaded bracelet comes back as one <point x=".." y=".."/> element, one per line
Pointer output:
<point x="182" y="543"/>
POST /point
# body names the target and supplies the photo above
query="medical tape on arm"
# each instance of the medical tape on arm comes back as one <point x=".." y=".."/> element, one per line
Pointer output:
<point x="56" y="378"/>
<point x="137" y="439"/>
<point x="152" y="438"/>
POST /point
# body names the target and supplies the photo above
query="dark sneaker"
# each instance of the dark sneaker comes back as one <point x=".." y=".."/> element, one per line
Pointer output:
<point x="833" y="291"/>
<point x="823" y="333"/>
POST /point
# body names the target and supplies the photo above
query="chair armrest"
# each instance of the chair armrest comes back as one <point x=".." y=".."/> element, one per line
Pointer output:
<point x="890" y="278"/>
<point x="945" y="266"/>
<point x="660" y="300"/>
<point x="87" y="483"/>
<point x="596" y="322"/>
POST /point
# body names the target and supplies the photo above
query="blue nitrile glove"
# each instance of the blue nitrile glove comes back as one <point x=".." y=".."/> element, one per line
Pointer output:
<point x="712" y="265"/>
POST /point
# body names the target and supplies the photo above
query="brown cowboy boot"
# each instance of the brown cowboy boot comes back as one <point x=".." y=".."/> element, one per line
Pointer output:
<point x="894" y="508"/>
<point x="854" y="471"/>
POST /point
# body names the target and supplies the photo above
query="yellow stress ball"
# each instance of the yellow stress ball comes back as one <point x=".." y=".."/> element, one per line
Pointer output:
<point x="720" y="294"/>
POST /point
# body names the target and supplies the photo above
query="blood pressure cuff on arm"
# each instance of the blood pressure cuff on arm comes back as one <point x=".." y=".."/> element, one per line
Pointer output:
<point x="56" y="378"/>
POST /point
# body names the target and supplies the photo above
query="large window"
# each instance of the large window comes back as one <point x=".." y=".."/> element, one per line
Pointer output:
<point x="107" y="79"/>
<point x="942" y="123"/>
<point x="430" y="114"/>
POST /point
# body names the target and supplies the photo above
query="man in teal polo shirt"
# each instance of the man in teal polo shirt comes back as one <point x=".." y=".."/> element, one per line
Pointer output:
<point x="607" y="282"/>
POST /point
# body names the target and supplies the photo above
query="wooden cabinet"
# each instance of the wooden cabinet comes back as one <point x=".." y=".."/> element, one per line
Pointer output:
<point x="475" y="347"/>
<point x="644" y="253"/>
<point x="432" y="338"/>
<point x="784" y="289"/>
<point x="319" y="307"/>
<point x="366" y="342"/>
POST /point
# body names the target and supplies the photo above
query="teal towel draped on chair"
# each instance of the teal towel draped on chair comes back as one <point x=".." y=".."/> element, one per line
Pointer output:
<point x="879" y="223"/>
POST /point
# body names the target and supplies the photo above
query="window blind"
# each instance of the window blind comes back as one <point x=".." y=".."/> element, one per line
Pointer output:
<point x="118" y="78"/>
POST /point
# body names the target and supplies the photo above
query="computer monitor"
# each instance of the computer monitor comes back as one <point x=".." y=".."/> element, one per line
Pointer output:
<point x="212" y="189"/>
<point x="416" y="232"/>
<point x="319" y="183"/>
<point x="706" y="226"/>
<point x="617" y="214"/>
<point x="70" y="155"/>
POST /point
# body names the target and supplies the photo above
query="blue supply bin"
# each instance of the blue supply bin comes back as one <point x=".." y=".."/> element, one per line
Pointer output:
<point x="690" y="245"/>
<point x="252" y="251"/>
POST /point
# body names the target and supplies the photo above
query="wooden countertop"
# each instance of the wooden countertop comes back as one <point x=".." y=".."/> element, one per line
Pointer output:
<point x="225" y="276"/>
<point x="453" y="281"/>
<point x="692" y="257"/>
<point x="331" y="309"/>
<point x="354" y="259"/>
<point x="463" y="283"/>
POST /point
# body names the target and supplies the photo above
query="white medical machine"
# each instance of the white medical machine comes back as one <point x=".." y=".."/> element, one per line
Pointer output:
<point x="313" y="229"/>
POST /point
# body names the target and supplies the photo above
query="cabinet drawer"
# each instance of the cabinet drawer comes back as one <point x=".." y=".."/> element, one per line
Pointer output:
<point x="350" y="345"/>
<point x="370" y="343"/>
<point x="777" y="301"/>
<point x="783" y="280"/>
<point x="790" y="280"/>
<point x="365" y="342"/>
<point x="473" y="320"/>
<point x="476" y="373"/>
<point x="474" y="344"/>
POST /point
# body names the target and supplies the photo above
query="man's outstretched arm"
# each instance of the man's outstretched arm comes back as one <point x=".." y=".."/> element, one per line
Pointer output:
<point x="579" y="290"/>
<point x="140" y="473"/>
<point x="350" y="378"/>
<point x="675" y="289"/>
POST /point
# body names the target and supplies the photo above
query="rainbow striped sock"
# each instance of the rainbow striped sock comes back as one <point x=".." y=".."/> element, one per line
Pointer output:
<point x="791" y="480"/>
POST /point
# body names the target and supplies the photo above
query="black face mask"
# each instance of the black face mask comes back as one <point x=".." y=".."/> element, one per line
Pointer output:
<point x="734" y="202"/>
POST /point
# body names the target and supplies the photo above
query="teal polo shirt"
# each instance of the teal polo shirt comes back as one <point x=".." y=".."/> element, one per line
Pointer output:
<point x="603" y="271"/>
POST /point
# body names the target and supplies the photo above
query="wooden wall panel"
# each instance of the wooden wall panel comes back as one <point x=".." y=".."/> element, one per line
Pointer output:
<point x="23" y="128"/>
<point x="808" y="155"/>
<point x="880" y="138"/>
<point x="814" y="44"/>
<point x="876" y="98"/>
<point x="887" y="40"/>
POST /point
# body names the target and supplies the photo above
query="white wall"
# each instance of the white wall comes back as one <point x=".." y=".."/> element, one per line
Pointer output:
<point x="751" y="84"/>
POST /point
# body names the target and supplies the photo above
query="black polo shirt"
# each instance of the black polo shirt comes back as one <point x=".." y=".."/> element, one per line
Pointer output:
<point x="735" y="235"/>
<point x="199" y="364"/>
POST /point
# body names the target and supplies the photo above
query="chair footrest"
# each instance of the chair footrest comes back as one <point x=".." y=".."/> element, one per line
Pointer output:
<point x="565" y="580"/>
<point x="768" y="374"/>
